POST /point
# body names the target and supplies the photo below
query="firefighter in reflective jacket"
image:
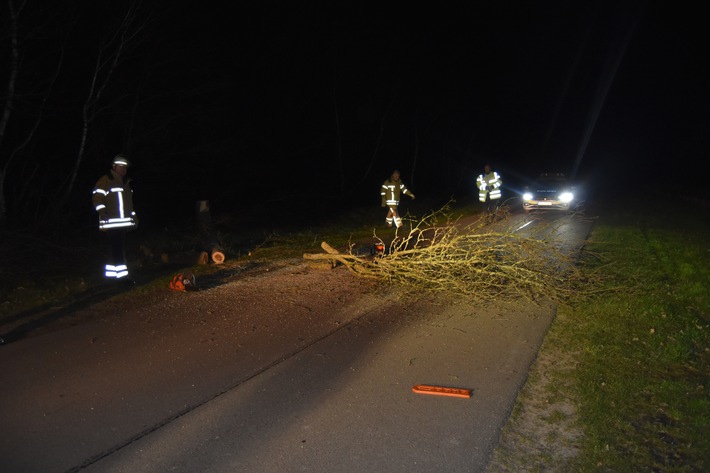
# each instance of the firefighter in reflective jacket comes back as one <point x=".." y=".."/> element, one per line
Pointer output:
<point x="113" y="200"/>
<point x="489" y="184"/>
<point x="391" y="191"/>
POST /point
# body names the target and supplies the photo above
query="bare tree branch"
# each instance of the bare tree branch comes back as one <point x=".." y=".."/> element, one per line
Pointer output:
<point x="108" y="58"/>
<point x="7" y="110"/>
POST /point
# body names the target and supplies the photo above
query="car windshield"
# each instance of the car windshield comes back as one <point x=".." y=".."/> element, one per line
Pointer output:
<point x="551" y="181"/>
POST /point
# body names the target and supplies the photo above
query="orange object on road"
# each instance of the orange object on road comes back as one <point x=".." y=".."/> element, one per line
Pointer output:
<point x="183" y="282"/>
<point x="442" y="391"/>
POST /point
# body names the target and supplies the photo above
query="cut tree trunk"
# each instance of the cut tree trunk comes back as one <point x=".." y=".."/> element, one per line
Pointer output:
<point x="208" y="236"/>
<point x="332" y="258"/>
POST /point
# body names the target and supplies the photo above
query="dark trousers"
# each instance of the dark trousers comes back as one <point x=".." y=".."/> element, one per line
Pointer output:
<point x="491" y="205"/>
<point x="117" y="242"/>
<point x="116" y="266"/>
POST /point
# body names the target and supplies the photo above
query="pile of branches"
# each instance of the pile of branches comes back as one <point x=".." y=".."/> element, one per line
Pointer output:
<point x="440" y="254"/>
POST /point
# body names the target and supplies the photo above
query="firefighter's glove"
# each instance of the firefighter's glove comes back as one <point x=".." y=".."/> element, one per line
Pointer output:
<point x="413" y="197"/>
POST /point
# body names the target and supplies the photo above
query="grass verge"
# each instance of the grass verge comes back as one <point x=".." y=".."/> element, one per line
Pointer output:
<point x="42" y="272"/>
<point x="622" y="383"/>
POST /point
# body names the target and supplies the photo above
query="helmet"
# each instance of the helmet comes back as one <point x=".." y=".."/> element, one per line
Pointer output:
<point x="121" y="160"/>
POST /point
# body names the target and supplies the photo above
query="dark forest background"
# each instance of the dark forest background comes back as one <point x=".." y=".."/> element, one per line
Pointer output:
<point x="290" y="108"/>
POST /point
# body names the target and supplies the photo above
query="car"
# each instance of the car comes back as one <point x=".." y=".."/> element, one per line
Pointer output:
<point x="550" y="191"/>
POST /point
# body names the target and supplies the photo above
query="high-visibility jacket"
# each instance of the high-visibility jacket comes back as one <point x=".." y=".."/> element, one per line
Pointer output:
<point x="392" y="190"/>
<point x="489" y="183"/>
<point x="113" y="200"/>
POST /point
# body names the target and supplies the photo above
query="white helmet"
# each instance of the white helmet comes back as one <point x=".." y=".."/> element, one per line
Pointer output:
<point x="121" y="160"/>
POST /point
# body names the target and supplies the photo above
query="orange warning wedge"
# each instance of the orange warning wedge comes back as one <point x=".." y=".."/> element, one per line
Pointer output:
<point x="442" y="391"/>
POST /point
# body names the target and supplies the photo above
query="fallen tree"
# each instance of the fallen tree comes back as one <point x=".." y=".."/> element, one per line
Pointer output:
<point x="439" y="254"/>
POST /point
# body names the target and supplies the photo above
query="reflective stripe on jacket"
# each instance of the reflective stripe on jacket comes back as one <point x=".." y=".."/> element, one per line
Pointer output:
<point x="114" y="198"/>
<point x="392" y="190"/>
<point x="490" y="182"/>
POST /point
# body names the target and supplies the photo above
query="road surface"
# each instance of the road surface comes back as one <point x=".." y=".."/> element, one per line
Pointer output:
<point x="287" y="369"/>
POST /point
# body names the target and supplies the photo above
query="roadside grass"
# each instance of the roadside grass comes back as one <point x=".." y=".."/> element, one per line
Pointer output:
<point x="292" y="243"/>
<point x="41" y="272"/>
<point x="634" y="364"/>
<point x="643" y="378"/>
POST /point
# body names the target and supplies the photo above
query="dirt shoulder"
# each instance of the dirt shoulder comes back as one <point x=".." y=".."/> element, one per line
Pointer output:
<point x="542" y="432"/>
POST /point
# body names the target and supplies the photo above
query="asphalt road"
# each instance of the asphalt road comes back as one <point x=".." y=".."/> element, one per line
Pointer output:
<point x="277" y="372"/>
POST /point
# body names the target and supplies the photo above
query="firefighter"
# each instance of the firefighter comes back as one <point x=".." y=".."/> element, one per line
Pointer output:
<point x="391" y="191"/>
<point x="113" y="200"/>
<point x="489" y="184"/>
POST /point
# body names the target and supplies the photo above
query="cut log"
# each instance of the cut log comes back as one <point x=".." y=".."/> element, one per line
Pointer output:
<point x="217" y="256"/>
<point x="353" y="263"/>
<point x="321" y="260"/>
<point x="329" y="249"/>
<point x="320" y="265"/>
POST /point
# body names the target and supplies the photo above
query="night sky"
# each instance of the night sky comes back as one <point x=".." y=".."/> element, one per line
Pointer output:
<point x="275" y="106"/>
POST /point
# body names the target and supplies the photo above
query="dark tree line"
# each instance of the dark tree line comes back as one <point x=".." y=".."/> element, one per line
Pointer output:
<point x="209" y="106"/>
<point x="315" y="104"/>
<point x="65" y="90"/>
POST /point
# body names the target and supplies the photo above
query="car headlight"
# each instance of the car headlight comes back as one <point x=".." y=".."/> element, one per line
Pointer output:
<point x="527" y="196"/>
<point x="566" y="197"/>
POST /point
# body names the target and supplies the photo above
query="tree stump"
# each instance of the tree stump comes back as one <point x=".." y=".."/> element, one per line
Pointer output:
<point x="208" y="236"/>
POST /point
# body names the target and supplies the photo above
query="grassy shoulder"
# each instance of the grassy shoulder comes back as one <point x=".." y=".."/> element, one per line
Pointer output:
<point x="43" y="272"/>
<point x="622" y="382"/>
